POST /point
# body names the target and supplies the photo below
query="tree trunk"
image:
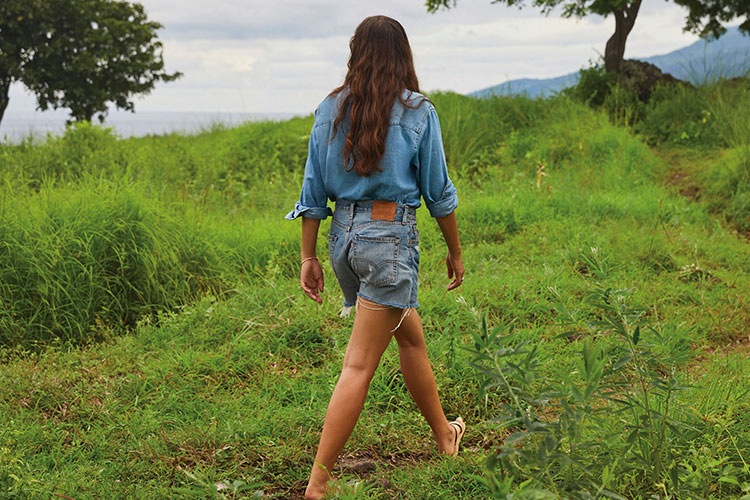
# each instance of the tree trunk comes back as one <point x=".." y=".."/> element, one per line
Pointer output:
<point x="624" y="22"/>
<point x="4" y="96"/>
<point x="85" y="114"/>
<point x="78" y="115"/>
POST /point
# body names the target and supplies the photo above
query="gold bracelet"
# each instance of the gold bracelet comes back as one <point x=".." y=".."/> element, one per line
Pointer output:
<point x="309" y="258"/>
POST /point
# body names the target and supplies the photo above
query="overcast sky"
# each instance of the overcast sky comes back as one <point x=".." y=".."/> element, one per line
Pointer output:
<point x="254" y="56"/>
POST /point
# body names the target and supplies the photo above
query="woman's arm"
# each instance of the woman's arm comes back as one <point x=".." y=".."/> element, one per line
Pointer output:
<point x="438" y="192"/>
<point x="453" y="260"/>
<point x="311" y="273"/>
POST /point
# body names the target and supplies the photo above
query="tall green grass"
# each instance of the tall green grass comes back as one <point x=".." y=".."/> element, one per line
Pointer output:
<point x="77" y="259"/>
<point x="229" y="162"/>
<point x="100" y="231"/>
<point x="709" y="117"/>
<point x="727" y="184"/>
<point x="472" y="129"/>
<point x="85" y="261"/>
<point x="211" y="371"/>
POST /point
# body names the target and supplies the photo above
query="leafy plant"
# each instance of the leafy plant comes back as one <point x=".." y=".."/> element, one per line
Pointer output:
<point x="680" y="115"/>
<point x="594" y="85"/>
<point x="613" y="426"/>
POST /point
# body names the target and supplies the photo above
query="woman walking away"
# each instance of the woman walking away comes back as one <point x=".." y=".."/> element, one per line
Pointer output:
<point x="375" y="149"/>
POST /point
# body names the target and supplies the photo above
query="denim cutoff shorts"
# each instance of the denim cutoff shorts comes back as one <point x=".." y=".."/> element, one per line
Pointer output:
<point x="375" y="259"/>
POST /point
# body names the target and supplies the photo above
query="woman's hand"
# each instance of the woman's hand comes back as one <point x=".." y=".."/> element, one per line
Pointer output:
<point x="310" y="273"/>
<point x="455" y="270"/>
<point x="311" y="279"/>
<point x="453" y="260"/>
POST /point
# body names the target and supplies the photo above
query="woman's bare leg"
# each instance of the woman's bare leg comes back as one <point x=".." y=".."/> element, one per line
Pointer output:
<point x="419" y="379"/>
<point x="371" y="334"/>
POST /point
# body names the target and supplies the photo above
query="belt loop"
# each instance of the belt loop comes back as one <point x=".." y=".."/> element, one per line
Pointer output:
<point x="351" y="212"/>
<point x="404" y="215"/>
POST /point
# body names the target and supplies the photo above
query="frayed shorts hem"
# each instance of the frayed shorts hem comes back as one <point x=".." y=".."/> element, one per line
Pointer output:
<point x="384" y="303"/>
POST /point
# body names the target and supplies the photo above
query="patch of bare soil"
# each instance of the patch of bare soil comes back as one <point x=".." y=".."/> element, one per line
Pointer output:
<point x="679" y="174"/>
<point x="685" y="185"/>
<point x="364" y="462"/>
<point x="739" y="346"/>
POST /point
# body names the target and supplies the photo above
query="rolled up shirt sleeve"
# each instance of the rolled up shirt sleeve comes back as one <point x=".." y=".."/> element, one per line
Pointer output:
<point x="438" y="191"/>
<point x="313" y="200"/>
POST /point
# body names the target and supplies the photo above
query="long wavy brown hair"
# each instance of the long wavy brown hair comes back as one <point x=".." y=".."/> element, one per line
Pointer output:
<point x="381" y="67"/>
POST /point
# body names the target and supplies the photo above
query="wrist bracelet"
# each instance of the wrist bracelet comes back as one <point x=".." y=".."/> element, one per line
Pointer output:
<point x="309" y="258"/>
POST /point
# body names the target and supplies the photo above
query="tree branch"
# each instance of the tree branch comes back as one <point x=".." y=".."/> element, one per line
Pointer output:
<point x="632" y="12"/>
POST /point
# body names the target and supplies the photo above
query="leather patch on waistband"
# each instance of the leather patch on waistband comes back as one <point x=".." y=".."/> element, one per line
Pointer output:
<point x="383" y="210"/>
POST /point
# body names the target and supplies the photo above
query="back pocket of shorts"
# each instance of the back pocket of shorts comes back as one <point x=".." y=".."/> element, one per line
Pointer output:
<point x="375" y="259"/>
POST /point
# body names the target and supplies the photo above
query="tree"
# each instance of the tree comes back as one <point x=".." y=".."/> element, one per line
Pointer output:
<point x="80" y="54"/>
<point x="705" y="17"/>
<point x="21" y="29"/>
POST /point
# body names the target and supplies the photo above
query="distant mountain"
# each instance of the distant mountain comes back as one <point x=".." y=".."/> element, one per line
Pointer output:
<point x="699" y="62"/>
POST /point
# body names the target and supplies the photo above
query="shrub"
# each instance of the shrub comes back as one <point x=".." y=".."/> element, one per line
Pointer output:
<point x="615" y="426"/>
<point x="76" y="263"/>
<point x="594" y="85"/>
<point x="679" y="115"/>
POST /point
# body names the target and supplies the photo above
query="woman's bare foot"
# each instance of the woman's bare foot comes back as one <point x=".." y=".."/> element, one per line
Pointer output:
<point x="312" y="493"/>
<point x="449" y="438"/>
<point x="316" y="492"/>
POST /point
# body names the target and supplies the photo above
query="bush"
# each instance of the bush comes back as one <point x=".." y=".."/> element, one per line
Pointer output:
<point x="712" y="115"/>
<point x="680" y="115"/>
<point x="623" y="106"/>
<point x="600" y="89"/>
<point x="78" y="263"/>
<point x="616" y="425"/>
<point x="594" y="85"/>
<point x="75" y="260"/>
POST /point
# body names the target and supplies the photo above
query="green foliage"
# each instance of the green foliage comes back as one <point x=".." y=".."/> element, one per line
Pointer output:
<point x="21" y="27"/>
<point x="728" y="186"/>
<point x="617" y="425"/>
<point x="680" y="115"/>
<point x="227" y="163"/>
<point x="709" y="117"/>
<point x="89" y="260"/>
<point x="730" y="105"/>
<point x="77" y="260"/>
<point x="109" y="238"/>
<point x="571" y="8"/>
<point x="220" y="385"/>
<point x="594" y="85"/>
<point x="80" y="54"/>
<point x="623" y="106"/>
<point x="472" y="128"/>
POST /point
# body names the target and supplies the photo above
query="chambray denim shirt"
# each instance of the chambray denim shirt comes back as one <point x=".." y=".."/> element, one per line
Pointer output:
<point x="412" y="166"/>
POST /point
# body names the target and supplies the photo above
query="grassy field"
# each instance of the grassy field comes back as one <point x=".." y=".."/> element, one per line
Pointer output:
<point x="155" y="342"/>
